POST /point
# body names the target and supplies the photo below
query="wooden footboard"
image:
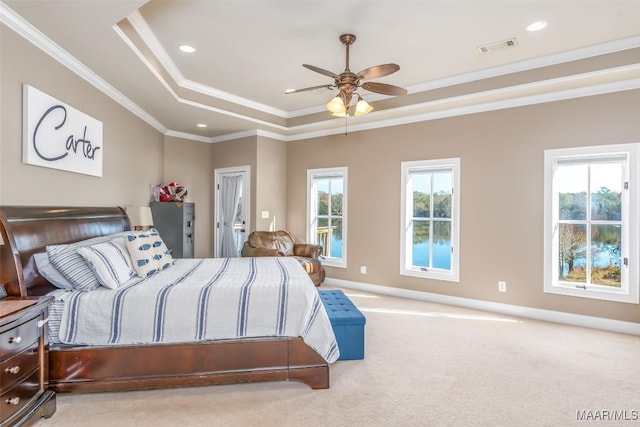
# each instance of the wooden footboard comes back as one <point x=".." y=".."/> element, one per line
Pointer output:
<point x="141" y="367"/>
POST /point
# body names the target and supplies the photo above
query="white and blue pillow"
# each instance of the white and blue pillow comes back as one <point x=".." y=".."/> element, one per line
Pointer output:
<point x="148" y="252"/>
<point x="109" y="261"/>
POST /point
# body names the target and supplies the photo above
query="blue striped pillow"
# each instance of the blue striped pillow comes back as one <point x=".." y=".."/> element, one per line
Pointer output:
<point x="67" y="260"/>
<point x="109" y="261"/>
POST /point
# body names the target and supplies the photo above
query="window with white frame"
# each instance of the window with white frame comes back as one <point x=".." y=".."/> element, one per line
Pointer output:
<point x="430" y="222"/>
<point x="591" y="222"/>
<point x="327" y="213"/>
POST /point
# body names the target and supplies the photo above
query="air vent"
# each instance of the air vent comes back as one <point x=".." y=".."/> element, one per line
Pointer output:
<point x="504" y="44"/>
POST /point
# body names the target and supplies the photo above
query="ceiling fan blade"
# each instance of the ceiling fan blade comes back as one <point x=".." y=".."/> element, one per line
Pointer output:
<point x="308" y="88"/>
<point x="378" y="71"/>
<point x="320" y="70"/>
<point x="384" y="89"/>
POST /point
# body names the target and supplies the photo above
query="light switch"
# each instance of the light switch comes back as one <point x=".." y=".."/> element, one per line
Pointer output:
<point x="265" y="214"/>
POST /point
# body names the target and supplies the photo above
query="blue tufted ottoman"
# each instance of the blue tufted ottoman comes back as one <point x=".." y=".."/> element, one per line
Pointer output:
<point x="347" y="322"/>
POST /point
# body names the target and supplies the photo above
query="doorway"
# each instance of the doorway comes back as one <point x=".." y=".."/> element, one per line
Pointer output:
<point x="233" y="192"/>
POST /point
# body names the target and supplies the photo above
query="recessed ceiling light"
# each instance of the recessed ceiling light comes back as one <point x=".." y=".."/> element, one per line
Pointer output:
<point x="537" y="26"/>
<point x="201" y="125"/>
<point x="187" y="48"/>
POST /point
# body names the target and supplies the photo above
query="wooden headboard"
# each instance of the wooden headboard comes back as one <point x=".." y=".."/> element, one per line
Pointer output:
<point x="27" y="230"/>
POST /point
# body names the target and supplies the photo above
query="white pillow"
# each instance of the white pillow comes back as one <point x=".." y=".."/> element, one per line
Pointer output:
<point x="148" y="252"/>
<point x="68" y="261"/>
<point x="109" y="261"/>
<point x="49" y="272"/>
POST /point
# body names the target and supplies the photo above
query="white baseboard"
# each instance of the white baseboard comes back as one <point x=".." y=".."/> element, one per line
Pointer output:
<point x="513" y="310"/>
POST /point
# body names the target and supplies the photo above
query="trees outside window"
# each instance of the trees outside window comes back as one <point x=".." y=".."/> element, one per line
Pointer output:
<point x="430" y="219"/>
<point x="591" y="222"/>
<point x="326" y="219"/>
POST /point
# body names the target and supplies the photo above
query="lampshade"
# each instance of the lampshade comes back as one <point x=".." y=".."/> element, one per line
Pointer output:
<point x="336" y="105"/>
<point x="362" y="107"/>
<point x="140" y="217"/>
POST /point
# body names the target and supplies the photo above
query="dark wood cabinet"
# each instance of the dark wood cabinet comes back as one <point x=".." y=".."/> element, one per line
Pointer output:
<point x="24" y="361"/>
<point x="175" y="223"/>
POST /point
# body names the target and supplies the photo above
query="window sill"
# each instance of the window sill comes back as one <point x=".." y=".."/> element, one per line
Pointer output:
<point x="431" y="274"/>
<point x="332" y="263"/>
<point x="593" y="294"/>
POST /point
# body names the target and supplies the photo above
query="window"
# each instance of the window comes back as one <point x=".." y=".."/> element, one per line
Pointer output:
<point x="430" y="219"/>
<point x="327" y="213"/>
<point x="591" y="222"/>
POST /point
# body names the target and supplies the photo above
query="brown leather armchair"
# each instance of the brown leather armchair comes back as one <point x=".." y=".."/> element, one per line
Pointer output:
<point x="282" y="243"/>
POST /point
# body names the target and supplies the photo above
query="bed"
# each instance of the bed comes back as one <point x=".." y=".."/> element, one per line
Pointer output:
<point x="28" y="230"/>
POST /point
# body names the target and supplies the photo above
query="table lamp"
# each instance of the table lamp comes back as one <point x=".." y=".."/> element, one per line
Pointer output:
<point x="140" y="217"/>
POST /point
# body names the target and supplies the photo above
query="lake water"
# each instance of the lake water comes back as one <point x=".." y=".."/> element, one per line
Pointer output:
<point x="441" y="253"/>
<point x="602" y="258"/>
<point x="336" y="247"/>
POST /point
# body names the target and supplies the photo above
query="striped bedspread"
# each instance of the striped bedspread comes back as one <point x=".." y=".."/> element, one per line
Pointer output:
<point x="203" y="299"/>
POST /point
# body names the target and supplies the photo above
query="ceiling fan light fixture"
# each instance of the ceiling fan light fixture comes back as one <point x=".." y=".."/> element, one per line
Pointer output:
<point x="336" y="105"/>
<point x="348" y="82"/>
<point x="362" y="107"/>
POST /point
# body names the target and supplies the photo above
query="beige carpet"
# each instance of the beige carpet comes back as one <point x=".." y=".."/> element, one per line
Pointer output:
<point x="425" y="365"/>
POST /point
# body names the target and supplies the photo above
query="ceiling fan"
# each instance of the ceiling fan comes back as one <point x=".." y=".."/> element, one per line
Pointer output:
<point x="348" y="82"/>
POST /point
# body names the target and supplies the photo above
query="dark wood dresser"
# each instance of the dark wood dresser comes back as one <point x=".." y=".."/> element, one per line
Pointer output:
<point x="24" y="361"/>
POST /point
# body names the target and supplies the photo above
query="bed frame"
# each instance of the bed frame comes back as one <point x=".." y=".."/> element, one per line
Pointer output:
<point x="27" y="230"/>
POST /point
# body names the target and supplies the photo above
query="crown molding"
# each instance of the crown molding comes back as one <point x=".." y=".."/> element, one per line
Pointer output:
<point x="189" y="136"/>
<point x="245" y="134"/>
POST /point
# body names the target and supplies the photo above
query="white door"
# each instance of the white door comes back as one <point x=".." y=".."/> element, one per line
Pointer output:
<point x="232" y="187"/>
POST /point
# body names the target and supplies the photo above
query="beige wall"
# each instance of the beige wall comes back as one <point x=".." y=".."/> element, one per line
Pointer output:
<point x="501" y="196"/>
<point x="271" y="184"/>
<point x="132" y="150"/>
<point x="189" y="163"/>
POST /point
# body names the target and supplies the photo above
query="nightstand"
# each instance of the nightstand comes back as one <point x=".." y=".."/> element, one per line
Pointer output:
<point x="24" y="361"/>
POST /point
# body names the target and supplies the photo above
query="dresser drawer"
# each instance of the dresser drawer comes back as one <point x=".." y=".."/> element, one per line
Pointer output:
<point x="17" y="339"/>
<point x="17" y="368"/>
<point x="18" y="397"/>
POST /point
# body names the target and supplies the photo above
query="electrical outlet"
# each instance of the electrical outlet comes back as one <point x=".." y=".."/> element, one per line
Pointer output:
<point x="363" y="269"/>
<point x="502" y="286"/>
